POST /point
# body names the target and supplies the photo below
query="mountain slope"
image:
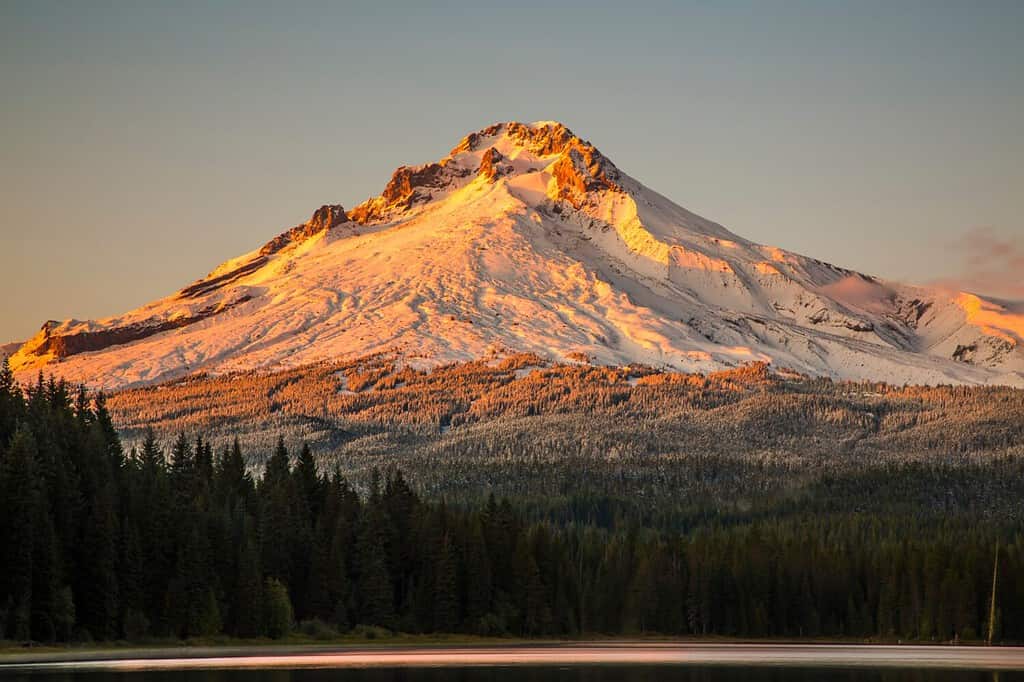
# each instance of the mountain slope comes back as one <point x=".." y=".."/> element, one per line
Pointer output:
<point x="526" y="238"/>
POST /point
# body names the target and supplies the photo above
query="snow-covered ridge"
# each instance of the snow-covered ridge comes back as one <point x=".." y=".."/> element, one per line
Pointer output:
<point x="526" y="238"/>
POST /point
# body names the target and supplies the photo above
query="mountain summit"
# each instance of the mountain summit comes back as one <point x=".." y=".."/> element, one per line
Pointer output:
<point x="526" y="238"/>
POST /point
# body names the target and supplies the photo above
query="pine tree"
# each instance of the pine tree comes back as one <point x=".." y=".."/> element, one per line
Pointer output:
<point x="329" y="594"/>
<point x="105" y="424"/>
<point x="97" y="593"/>
<point x="45" y="567"/>
<point x="203" y="465"/>
<point x="478" y="574"/>
<point x="246" y="599"/>
<point x="309" y="484"/>
<point x="374" y="589"/>
<point x="535" y="614"/>
<point x="279" y="520"/>
<point x="20" y="498"/>
<point x="192" y="604"/>
<point x="307" y="502"/>
<point x="12" y="404"/>
<point x="443" y="556"/>
<point x="402" y="509"/>
<point x="233" y="480"/>
<point x="151" y="458"/>
<point x="278" y="467"/>
<point x="132" y="581"/>
<point x="182" y="472"/>
<point x="277" y="610"/>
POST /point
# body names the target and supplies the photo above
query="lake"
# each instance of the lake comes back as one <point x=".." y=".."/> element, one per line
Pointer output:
<point x="593" y="662"/>
<point x="584" y="673"/>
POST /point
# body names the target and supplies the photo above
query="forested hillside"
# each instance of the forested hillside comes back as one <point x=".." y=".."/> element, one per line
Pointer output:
<point x="182" y="539"/>
<point x="735" y="441"/>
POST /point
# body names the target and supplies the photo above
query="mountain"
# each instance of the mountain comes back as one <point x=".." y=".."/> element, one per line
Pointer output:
<point x="525" y="238"/>
<point x="9" y="348"/>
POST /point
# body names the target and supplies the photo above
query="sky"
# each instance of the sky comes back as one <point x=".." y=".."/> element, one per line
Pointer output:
<point x="143" y="143"/>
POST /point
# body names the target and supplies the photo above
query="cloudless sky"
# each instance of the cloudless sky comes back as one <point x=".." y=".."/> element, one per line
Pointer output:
<point x="142" y="143"/>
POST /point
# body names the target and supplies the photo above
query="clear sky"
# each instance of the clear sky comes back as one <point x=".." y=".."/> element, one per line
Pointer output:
<point x="143" y="143"/>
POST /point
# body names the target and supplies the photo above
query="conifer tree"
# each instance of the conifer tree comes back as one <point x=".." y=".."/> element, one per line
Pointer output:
<point x="21" y="495"/>
<point x="233" y="479"/>
<point x="182" y="472"/>
<point x="12" y="404"/>
<point x="478" y="574"/>
<point x="309" y="484"/>
<point x="329" y="596"/>
<point x="374" y="589"/>
<point x="279" y="520"/>
<point x="245" y="607"/>
<point x="277" y="610"/>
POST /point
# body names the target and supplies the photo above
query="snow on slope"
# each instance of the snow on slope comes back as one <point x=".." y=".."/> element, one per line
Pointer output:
<point x="526" y="238"/>
<point x="9" y="348"/>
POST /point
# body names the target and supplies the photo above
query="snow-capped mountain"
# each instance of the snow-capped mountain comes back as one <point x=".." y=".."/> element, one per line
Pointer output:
<point x="526" y="238"/>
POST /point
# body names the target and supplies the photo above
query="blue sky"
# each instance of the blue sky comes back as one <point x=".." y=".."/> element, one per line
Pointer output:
<point x="143" y="143"/>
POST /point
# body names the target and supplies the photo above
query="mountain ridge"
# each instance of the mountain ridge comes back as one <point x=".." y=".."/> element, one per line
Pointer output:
<point x="525" y="238"/>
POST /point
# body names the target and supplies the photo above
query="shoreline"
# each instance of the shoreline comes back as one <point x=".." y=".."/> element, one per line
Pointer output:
<point x="519" y="653"/>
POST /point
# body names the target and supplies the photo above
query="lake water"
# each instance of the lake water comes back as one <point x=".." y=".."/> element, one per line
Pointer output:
<point x="586" y="673"/>
<point x="577" y="662"/>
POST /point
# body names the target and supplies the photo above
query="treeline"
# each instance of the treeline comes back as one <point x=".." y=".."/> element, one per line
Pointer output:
<point x="96" y="543"/>
<point x="521" y="427"/>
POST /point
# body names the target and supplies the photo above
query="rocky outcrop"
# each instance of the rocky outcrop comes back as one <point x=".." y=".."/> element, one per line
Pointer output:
<point x="965" y="352"/>
<point x="911" y="311"/>
<point x="834" y="319"/>
<point x="324" y="218"/>
<point x="493" y="165"/>
<point x="409" y="186"/>
<point x="582" y="170"/>
<point x="49" y="342"/>
<point x="987" y="351"/>
<point x="545" y="140"/>
<point x="471" y="142"/>
<point x="207" y="285"/>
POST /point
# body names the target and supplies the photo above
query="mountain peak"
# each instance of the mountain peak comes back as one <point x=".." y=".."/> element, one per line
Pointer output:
<point x="525" y="238"/>
<point x="541" y="137"/>
<point x="500" y="149"/>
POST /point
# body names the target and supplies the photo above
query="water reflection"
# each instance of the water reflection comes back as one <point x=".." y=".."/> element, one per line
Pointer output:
<point x="604" y="673"/>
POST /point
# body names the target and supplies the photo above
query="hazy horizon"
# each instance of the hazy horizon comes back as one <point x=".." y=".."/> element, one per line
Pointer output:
<point x="144" y="145"/>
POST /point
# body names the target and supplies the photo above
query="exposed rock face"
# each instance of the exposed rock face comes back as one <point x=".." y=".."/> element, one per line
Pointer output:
<point x="402" y="187"/>
<point x="582" y="170"/>
<point x="60" y="346"/>
<point x="987" y="350"/>
<point x="471" y="142"/>
<point x="827" y="317"/>
<point x="545" y="140"/>
<point x="578" y="168"/>
<point x="324" y="218"/>
<point x="912" y="311"/>
<point x="965" y="353"/>
<point x="493" y="165"/>
<point x="207" y="285"/>
<point x="409" y="186"/>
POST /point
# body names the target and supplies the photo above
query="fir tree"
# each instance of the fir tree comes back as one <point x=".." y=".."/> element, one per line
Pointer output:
<point x="376" y="599"/>
<point x="20" y="498"/>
